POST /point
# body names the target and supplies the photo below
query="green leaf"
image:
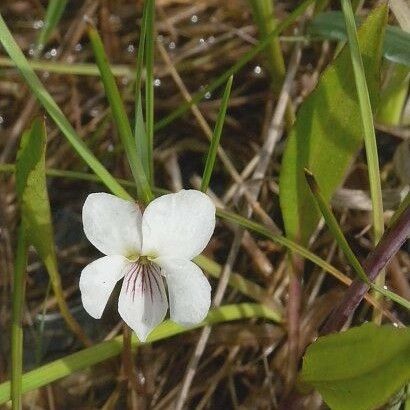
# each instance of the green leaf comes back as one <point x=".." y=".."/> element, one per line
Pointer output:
<point x="120" y="117"/>
<point x="37" y="88"/>
<point x="330" y="25"/>
<point x="328" y="132"/>
<point x="55" y="10"/>
<point x="69" y="364"/>
<point x="359" y="369"/>
<point x="216" y="136"/>
<point x="36" y="214"/>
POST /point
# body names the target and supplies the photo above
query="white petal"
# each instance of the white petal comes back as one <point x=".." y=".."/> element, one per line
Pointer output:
<point x="112" y="224"/>
<point x="143" y="303"/>
<point x="178" y="225"/>
<point x="98" y="280"/>
<point x="188" y="289"/>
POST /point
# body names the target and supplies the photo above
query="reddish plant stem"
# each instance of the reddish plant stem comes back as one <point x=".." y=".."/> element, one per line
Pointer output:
<point x="377" y="259"/>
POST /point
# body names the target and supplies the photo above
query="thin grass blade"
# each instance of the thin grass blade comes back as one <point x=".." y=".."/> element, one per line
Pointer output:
<point x="149" y="88"/>
<point x="102" y="351"/>
<point x="120" y="117"/>
<point x="210" y="159"/>
<point x="55" y="10"/>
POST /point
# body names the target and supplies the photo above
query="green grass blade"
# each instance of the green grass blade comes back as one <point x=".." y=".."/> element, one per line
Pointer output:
<point x="149" y="87"/>
<point x="342" y="242"/>
<point x="96" y="354"/>
<point x="120" y="117"/>
<point x="55" y="10"/>
<point x="55" y="113"/>
<point x="16" y="321"/>
<point x="368" y="129"/>
<point x="57" y="67"/>
<point x="288" y="21"/>
<point x="210" y="160"/>
<point x="140" y="134"/>
<point x="334" y="226"/>
<point x="367" y="120"/>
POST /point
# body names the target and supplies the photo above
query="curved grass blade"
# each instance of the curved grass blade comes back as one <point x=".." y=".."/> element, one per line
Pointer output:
<point x="58" y="369"/>
<point x="210" y="159"/>
<point x="342" y="242"/>
<point x="120" y="117"/>
<point x="54" y="111"/>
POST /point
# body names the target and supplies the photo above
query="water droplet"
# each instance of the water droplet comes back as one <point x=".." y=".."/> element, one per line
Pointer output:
<point x="46" y="74"/>
<point x="130" y="48"/>
<point x="257" y="70"/>
<point x="194" y="18"/>
<point x="202" y="42"/>
<point x="157" y="82"/>
<point x="207" y="95"/>
<point x="53" y="52"/>
<point x="172" y="45"/>
<point x="31" y="51"/>
<point x="78" y="47"/>
<point x="385" y="287"/>
<point x="38" y="24"/>
<point x="110" y="148"/>
<point x="211" y="40"/>
<point x="1" y="120"/>
<point x="94" y="112"/>
<point x="395" y="324"/>
<point x="160" y="38"/>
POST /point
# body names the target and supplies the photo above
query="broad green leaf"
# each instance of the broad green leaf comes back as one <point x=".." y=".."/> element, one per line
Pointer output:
<point x="361" y="368"/>
<point x="69" y="364"/>
<point x="328" y="131"/>
<point x="330" y="25"/>
<point x="36" y="214"/>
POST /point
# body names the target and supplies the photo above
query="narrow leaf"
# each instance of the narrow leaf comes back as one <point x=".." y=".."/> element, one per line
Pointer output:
<point x="55" y="10"/>
<point x="120" y="117"/>
<point x="216" y="136"/>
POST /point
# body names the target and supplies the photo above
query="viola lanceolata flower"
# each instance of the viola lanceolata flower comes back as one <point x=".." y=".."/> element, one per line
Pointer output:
<point x="143" y="249"/>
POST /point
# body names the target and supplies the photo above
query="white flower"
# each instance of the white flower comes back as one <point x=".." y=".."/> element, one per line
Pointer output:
<point x="144" y="248"/>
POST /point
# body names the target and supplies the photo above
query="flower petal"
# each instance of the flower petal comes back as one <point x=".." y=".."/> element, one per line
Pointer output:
<point x="98" y="280"/>
<point x="188" y="289"/>
<point x="112" y="224"/>
<point x="178" y="225"/>
<point x="143" y="302"/>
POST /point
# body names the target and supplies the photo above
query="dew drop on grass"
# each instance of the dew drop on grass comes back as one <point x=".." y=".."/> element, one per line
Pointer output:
<point x="257" y="70"/>
<point x="157" y="82"/>
<point x="130" y="48"/>
<point x="172" y="45"/>
<point x="38" y="24"/>
<point x="194" y="18"/>
<point x="78" y="47"/>
<point x="1" y="120"/>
